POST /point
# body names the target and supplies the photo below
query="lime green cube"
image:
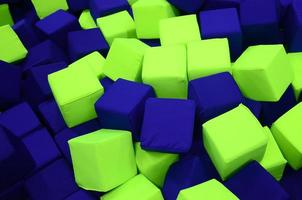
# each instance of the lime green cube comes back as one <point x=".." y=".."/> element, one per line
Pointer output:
<point x="86" y="21"/>
<point x="44" y="9"/>
<point x="179" y="30"/>
<point x="5" y="16"/>
<point x="210" y="190"/>
<point x="11" y="47"/>
<point x="125" y="59"/>
<point x="233" y="139"/>
<point x="263" y="73"/>
<point x="295" y="60"/>
<point x="75" y="90"/>
<point x="103" y="160"/>
<point x="273" y="160"/>
<point x="131" y="2"/>
<point x="138" y="187"/>
<point x="208" y="57"/>
<point x="165" y="69"/>
<point x="287" y="133"/>
<point x="117" y="25"/>
<point x="147" y="15"/>
<point x="154" y="165"/>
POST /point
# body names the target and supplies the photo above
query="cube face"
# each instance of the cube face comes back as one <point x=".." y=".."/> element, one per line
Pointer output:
<point x="164" y="68"/>
<point x="208" y="57"/>
<point x="295" y="60"/>
<point x="100" y="8"/>
<point x="229" y="154"/>
<point x="44" y="10"/>
<point x="186" y="27"/>
<point x="5" y="15"/>
<point x="103" y="160"/>
<point x="190" y="6"/>
<point x="86" y="21"/>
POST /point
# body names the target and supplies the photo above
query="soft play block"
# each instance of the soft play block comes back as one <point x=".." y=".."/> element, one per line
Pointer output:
<point x="147" y="15"/>
<point x="261" y="185"/>
<point x="14" y="192"/>
<point x="254" y="106"/>
<point x="138" y="186"/>
<point x="151" y="42"/>
<point x="165" y="69"/>
<point x="189" y="6"/>
<point x="75" y="90"/>
<point x="87" y="127"/>
<point x="77" y="5"/>
<point x="291" y="181"/>
<point x="100" y="8"/>
<point x="154" y="165"/>
<point x="208" y="57"/>
<point x="185" y="26"/>
<point x="106" y="83"/>
<point x="222" y="23"/>
<point x="111" y="29"/>
<point x="286" y="131"/>
<point x="124" y="113"/>
<point x="86" y="21"/>
<point x="227" y="146"/>
<point x="44" y="9"/>
<point x="81" y="43"/>
<point x="103" y="160"/>
<point x="273" y="160"/>
<point x="81" y="195"/>
<point x="168" y="125"/>
<point x="61" y="140"/>
<point x="219" y="4"/>
<point x="125" y="59"/>
<point x="295" y="60"/>
<point x="214" y="95"/>
<point x="11" y="48"/>
<point x="5" y="16"/>
<point x="209" y="190"/>
<point x="52" y="182"/>
<point x="262" y="73"/>
<point x="27" y="33"/>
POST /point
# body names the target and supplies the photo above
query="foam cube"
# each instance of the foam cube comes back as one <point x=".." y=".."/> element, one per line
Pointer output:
<point x="165" y="69"/>
<point x="295" y="60"/>
<point x="125" y="113"/>
<point x="86" y="21"/>
<point x="14" y="192"/>
<point x="77" y="5"/>
<point x="103" y="160"/>
<point x="286" y="133"/>
<point x="87" y="127"/>
<point x="185" y="26"/>
<point x="214" y="95"/>
<point x="81" y="43"/>
<point x="125" y="59"/>
<point x="291" y="181"/>
<point x="254" y="106"/>
<point x="227" y="146"/>
<point x="154" y="165"/>
<point x="208" y="57"/>
<point x="168" y="125"/>
<point x="44" y="9"/>
<point x="5" y="16"/>
<point x="137" y="186"/>
<point x="211" y="189"/>
<point x="11" y="48"/>
<point x="261" y="72"/>
<point x="81" y="195"/>
<point x="106" y="83"/>
<point x="61" y="140"/>
<point x="218" y="4"/>
<point x="222" y="23"/>
<point x="147" y="15"/>
<point x="189" y="6"/>
<point x="75" y="90"/>
<point x="100" y="8"/>
<point x="111" y="29"/>
<point x="27" y="33"/>
<point x="151" y="42"/>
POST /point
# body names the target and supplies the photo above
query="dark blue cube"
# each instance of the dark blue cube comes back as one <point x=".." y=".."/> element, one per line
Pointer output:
<point x="87" y="127"/>
<point x="106" y="83"/>
<point x="100" y="8"/>
<point x="14" y="192"/>
<point x="61" y="140"/>
<point x="78" y="5"/>
<point x="27" y="33"/>
<point x="291" y="182"/>
<point x="254" y="106"/>
<point x="81" y="195"/>
<point x="188" y="6"/>
<point x="218" y="4"/>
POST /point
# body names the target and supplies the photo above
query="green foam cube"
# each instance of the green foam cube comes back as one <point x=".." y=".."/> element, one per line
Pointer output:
<point x="154" y="165"/>
<point x="138" y="187"/>
<point x="295" y="60"/>
<point x="5" y="16"/>
<point x="209" y="190"/>
<point x="273" y="160"/>
<point x="76" y="89"/>
<point x="117" y="25"/>
<point x="125" y="59"/>
<point x="11" y="48"/>
<point x="287" y="133"/>
<point x="147" y="15"/>
<point x="208" y="57"/>
<point x="44" y="9"/>
<point x="86" y="21"/>
<point x="131" y="2"/>
<point x="179" y="30"/>
<point x="233" y="139"/>
<point x="165" y="69"/>
<point x="263" y="73"/>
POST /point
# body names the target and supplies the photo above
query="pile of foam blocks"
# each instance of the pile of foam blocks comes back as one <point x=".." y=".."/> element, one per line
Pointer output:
<point x="150" y="99"/>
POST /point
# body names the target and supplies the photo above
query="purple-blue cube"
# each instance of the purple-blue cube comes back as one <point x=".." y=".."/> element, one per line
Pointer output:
<point x="188" y="6"/>
<point x="291" y="182"/>
<point x="254" y="106"/>
<point x="218" y="4"/>
<point x="87" y="127"/>
<point x="14" y="192"/>
<point x="81" y="195"/>
<point x="61" y="140"/>
<point x="106" y="83"/>
<point x="100" y="8"/>
<point x="78" y="5"/>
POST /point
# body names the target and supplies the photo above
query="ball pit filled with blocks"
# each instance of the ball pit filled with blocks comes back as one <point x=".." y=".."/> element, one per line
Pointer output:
<point x="150" y="99"/>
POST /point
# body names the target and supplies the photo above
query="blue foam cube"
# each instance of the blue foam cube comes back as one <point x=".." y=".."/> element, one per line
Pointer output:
<point x="81" y="195"/>
<point x="188" y="6"/>
<point x="218" y="4"/>
<point x="254" y="106"/>
<point x="291" y="182"/>
<point x="100" y="8"/>
<point x="14" y="192"/>
<point x="106" y="83"/>
<point x="78" y="5"/>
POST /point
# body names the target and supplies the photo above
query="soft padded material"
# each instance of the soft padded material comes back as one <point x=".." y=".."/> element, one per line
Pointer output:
<point x="5" y="16"/>
<point x="188" y="6"/>
<point x="86" y="21"/>
<point x="61" y="140"/>
<point x="81" y="195"/>
<point x="295" y="60"/>
<point x="44" y="9"/>
<point x="100" y="8"/>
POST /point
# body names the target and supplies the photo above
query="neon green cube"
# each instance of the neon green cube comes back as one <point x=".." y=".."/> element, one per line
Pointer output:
<point x="179" y="30"/>
<point x="233" y="139"/>
<point x="44" y="9"/>
<point x="76" y="89"/>
<point x="131" y="2"/>
<point x="138" y="187"/>
<point x="295" y="60"/>
<point x="86" y="21"/>
<point x="11" y="48"/>
<point x="103" y="160"/>
<point x="208" y="57"/>
<point x="125" y="59"/>
<point x="263" y="73"/>
<point x="117" y="25"/>
<point x="5" y="16"/>
<point x="273" y="160"/>
<point x="165" y="69"/>
<point x="147" y="15"/>
<point x="287" y="133"/>
<point x="210" y="190"/>
<point x="154" y="165"/>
